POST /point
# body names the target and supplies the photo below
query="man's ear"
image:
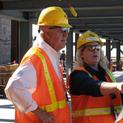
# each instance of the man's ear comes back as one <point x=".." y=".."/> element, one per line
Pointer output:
<point x="44" y="31"/>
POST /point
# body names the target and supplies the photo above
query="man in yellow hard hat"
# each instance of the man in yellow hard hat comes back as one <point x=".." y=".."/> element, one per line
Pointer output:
<point x="36" y="87"/>
<point x="95" y="94"/>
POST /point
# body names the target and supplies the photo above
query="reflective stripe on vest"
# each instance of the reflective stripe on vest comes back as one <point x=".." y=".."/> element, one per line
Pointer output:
<point x="95" y="111"/>
<point x="55" y="104"/>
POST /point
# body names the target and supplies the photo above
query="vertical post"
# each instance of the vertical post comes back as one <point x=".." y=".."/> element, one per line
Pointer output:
<point x="76" y="37"/>
<point x="108" y="50"/>
<point x="69" y="53"/>
<point x="118" y="66"/>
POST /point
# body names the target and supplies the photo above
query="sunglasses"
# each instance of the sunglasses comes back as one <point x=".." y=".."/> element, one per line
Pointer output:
<point x="93" y="47"/>
<point x="63" y="29"/>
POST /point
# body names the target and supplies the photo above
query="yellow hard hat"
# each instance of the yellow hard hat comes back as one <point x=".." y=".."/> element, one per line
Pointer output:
<point x="53" y="16"/>
<point x="88" y="37"/>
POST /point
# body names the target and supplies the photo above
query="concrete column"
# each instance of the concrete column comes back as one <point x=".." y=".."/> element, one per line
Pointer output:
<point x="76" y="38"/>
<point x="5" y="40"/>
<point x="69" y="53"/>
<point x="25" y="38"/>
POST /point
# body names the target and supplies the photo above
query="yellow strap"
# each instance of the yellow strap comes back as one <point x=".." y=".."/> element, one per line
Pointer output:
<point x="111" y="75"/>
<point x="47" y="76"/>
<point x="95" y="111"/>
<point x="55" y="104"/>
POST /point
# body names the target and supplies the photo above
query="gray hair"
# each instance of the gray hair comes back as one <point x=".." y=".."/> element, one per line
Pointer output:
<point x="79" y="61"/>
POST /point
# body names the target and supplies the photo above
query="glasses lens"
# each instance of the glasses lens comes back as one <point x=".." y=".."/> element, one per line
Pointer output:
<point x="65" y="29"/>
<point x="96" y="47"/>
<point x="62" y="28"/>
<point x="93" y="47"/>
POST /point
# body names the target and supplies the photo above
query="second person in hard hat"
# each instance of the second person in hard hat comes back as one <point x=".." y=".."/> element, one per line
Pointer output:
<point x="36" y="87"/>
<point x="95" y="94"/>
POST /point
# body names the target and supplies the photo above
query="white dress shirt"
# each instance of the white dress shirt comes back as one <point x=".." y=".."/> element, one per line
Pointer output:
<point x="23" y="82"/>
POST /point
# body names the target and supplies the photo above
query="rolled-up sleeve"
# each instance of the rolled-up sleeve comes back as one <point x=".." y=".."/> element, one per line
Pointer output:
<point x="20" y="87"/>
<point x="82" y="84"/>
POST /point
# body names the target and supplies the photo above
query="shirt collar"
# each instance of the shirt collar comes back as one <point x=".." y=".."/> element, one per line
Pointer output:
<point x="46" y="47"/>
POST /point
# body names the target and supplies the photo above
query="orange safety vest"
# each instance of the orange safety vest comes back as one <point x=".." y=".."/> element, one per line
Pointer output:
<point x="49" y="93"/>
<point x="88" y="109"/>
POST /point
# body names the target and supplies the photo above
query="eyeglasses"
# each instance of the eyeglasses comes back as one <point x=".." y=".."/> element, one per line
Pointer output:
<point x="63" y="29"/>
<point x="93" y="47"/>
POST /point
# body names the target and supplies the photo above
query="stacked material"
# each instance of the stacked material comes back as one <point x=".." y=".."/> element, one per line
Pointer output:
<point x="11" y="67"/>
<point x="5" y="73"/>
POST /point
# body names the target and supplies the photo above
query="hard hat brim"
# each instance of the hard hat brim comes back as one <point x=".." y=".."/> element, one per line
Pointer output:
<point x="82" y="44"/>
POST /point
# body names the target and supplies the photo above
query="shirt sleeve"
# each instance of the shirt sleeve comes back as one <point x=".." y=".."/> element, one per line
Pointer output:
<point x="82" y="84"/>
<point x="20" y="87"/>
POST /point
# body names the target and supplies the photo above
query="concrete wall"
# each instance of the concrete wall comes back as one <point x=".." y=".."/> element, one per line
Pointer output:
<point x="5" y="40"/>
